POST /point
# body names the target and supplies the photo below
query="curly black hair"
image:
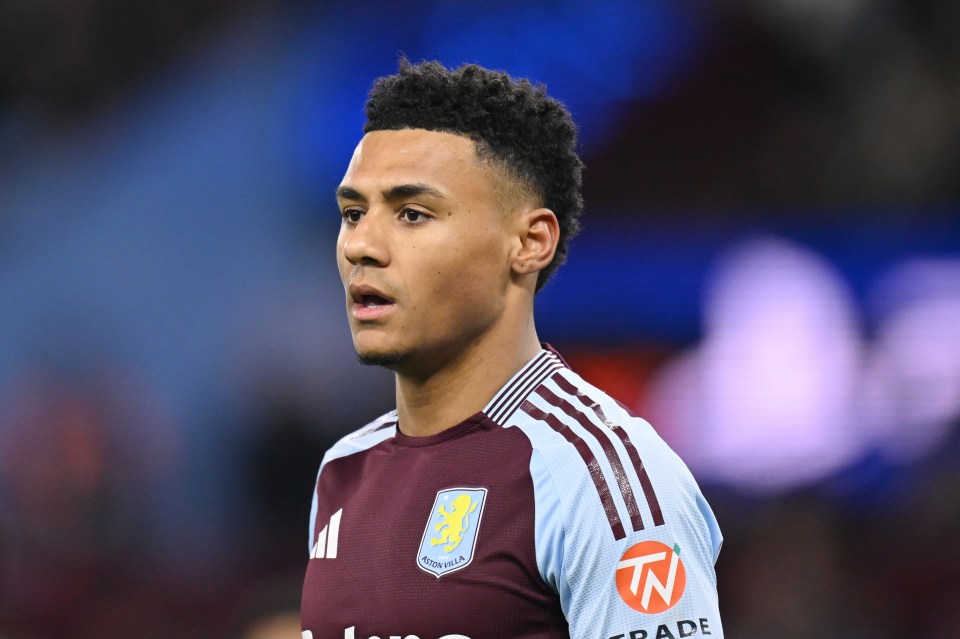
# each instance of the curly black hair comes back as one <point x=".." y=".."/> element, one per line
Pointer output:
<point x="512" y="122"/>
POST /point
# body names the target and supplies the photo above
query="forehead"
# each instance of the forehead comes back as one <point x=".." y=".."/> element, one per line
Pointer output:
<point x="385" y="158"/>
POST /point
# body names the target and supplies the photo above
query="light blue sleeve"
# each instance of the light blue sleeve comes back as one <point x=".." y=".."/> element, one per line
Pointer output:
<point x="657" y="582"/>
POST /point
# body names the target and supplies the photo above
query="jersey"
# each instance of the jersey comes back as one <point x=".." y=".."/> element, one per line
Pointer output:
<point x="554" y="512"/>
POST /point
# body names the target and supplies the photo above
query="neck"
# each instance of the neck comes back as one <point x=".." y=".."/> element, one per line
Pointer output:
<point x="427" y="405"/>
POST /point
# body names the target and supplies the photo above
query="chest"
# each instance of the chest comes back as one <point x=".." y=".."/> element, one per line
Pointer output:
<point x="428" y="544"/>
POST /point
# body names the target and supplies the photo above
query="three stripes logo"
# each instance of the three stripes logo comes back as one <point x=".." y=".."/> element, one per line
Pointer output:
<point x="327" y="540"/>
<point x="651" y="577"/>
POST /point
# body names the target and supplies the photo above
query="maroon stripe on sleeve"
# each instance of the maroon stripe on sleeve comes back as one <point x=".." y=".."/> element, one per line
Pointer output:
<point x="648" y="491"/>
<point x="651" y="496"/>
<point x="608" y="449"/>
<point x="596" y="474"/>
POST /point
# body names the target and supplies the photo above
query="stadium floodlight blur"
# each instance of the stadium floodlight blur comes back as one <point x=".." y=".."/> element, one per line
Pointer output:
<point x="766" y="398"/>
<point x="912" y="383"/>
<point x="786" y="389"/>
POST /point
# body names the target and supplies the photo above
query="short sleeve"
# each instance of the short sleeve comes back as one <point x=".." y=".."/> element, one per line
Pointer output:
<point x="630" y="557"/>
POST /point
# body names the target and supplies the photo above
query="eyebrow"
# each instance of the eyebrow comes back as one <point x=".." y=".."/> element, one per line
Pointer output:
<point x="393" y="193"/>
<point x="347" y="193"/>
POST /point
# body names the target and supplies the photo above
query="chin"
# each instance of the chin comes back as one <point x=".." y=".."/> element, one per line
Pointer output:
<point x="373" y="348"/>
<point x="374" y="354"/>
<point x="385" y="359"/>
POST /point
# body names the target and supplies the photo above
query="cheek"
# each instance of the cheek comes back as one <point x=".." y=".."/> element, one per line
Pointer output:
<point x="487" y="261"/>
<point x="471" y="275"/>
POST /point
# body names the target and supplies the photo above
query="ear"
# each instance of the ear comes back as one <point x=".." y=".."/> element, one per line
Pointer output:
<point x="539" y="233"/>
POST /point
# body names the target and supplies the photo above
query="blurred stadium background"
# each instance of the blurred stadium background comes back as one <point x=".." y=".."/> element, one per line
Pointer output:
<point x="769" y="272"/>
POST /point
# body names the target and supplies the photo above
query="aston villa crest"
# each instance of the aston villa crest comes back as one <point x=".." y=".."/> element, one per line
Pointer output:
<point x="450" y="536"/>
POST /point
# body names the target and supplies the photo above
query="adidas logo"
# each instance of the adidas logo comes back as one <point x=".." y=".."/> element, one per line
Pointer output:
<point x="326" y="546"/>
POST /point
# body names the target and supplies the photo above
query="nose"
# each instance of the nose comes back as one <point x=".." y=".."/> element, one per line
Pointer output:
<point x="365" y="244"/>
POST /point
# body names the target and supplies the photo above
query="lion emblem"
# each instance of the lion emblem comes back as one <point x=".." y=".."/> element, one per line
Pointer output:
<point x="454" y="523"/>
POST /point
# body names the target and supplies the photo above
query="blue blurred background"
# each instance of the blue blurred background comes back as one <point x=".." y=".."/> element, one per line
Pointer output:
<point x="769" y="272"/>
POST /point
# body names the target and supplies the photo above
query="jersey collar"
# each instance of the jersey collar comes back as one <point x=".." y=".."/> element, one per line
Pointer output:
<point x="514" y="392"/>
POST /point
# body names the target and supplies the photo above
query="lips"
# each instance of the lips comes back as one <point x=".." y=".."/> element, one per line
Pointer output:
<point x="369" y="303"/>
<point x="367" y="294"/>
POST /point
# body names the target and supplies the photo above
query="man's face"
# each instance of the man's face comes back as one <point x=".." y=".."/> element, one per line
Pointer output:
<point x="423" y="248"/>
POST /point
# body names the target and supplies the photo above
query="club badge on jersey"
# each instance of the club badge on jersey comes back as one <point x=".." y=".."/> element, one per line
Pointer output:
<point x="453" y="525"/>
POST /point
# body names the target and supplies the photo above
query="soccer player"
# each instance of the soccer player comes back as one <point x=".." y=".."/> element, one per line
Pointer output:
<point x="505" y="496"/>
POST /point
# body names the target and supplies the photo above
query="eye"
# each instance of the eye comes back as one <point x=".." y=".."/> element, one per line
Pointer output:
<point x="351" y="216"/>
<point x="413" y="216"/>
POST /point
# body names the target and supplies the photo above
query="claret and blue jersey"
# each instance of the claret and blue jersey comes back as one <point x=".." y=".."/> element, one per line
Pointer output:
<point x="552" y="513"/>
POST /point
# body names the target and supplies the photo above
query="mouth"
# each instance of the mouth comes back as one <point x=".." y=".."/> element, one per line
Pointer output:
<point x="372" y="301"/>
<point x="368" y="303"/>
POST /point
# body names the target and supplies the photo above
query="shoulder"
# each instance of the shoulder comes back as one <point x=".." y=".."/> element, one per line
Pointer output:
<point x="610" y="467"/>
<point x="565" y="415"/>
<point x="364" y="438"/>
<point x="611" y="493"/>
